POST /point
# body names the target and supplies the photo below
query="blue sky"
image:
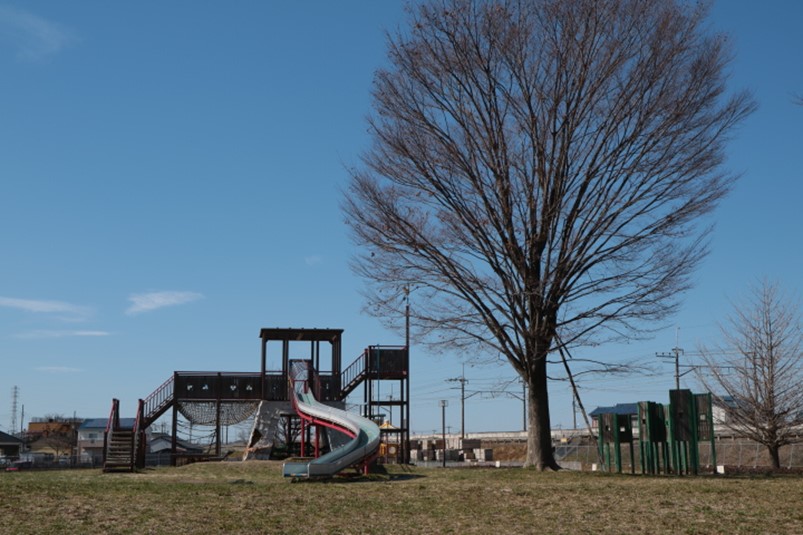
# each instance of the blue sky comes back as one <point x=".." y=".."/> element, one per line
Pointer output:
<point x="170" y="181"/>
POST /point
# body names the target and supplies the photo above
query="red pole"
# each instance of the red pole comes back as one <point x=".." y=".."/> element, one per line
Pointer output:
<point x="303" y="432"/>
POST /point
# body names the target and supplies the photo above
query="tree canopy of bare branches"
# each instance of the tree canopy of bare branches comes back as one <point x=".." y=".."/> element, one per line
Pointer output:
<point x="757" y="375"/>
<point x="538" y="172"/>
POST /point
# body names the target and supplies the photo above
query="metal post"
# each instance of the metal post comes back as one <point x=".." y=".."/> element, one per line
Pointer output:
<point x="405" y="442"/>
<point x="676" y="351"/>
<point x="462" y="380"/>
<point x="524" y="403"/>
<point x="444" y="403"/>
<point x="263" y="364"/>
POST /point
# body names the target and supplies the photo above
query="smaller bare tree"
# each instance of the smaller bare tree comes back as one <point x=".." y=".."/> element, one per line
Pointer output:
<point x="61" y="443"/>
<point x="757" y="375"/>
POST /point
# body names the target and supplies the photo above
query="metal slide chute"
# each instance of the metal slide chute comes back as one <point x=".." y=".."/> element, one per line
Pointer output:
<point x="363" y="432"/>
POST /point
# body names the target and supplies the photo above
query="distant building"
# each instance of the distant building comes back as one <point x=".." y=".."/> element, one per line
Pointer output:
<point x="39" y="427"/>
<point x="10" y="447"/>
<point x="160" y="449"/>
<point x="52" y="439"/>
<point x="722" y="408"/>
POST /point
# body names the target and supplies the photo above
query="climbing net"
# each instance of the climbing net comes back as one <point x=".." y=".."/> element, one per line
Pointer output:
<point x="206" y="412"/>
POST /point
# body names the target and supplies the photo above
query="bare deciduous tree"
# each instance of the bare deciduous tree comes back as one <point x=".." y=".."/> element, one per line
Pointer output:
<point x="61" y="443"/>
<point x="537" y="174"/>
<point x="757" y="374"/>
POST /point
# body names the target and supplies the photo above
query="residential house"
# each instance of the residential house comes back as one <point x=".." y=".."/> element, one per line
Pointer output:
<point x="10" y="448"/>
<point x="160" y="449"/>
<point x="52" y="439"/>
<point x="721" y="409"/>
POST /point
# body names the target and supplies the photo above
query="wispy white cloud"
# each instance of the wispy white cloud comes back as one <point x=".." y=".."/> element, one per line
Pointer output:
<point x="148" y="301"/>
<point x="61" y="334"/>
<point x="313" y="260"/>
<point x="70" y="311"/>
<point x="56" y="369"/>
<point x="32" y="36"/>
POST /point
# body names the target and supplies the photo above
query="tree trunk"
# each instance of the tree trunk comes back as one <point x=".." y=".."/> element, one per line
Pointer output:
<point x="539" y="437"/>
<point x="775" y="456"/>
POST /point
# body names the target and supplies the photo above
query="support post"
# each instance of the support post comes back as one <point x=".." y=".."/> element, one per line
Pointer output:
<point x="405" y="441"/>
<point x="173" y="440"/>
<point x="443" y="403"/>
<point x="262" y="370"/>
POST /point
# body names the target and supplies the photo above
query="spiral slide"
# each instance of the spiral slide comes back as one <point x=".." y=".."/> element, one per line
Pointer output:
<point x="362" y="446"/>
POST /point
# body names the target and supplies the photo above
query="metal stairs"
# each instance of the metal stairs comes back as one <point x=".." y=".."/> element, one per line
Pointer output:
<point x="354" y="375"/>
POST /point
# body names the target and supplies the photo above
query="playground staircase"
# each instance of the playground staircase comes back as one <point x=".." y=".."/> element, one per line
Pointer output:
<point x="120" y="451"/>
<point x="354" y="375"/>
<point x="157" y="403"/>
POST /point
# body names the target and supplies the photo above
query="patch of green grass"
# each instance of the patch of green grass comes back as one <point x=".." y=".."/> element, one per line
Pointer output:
<point x="253" y="497"/>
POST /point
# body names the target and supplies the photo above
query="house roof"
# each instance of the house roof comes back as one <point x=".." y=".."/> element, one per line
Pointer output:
<point x="181" y="444"/>
<point x="5" y="438"/>
<point x="619" y="408"/>
<point x="101" y="423"/>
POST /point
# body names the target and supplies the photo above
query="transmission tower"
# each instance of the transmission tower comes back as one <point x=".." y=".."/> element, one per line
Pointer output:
<point x="15" y="394"/>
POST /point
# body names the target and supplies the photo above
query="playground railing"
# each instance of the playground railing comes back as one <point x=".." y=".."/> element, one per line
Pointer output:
<point x="157" y="401"/>
<point x="138" y="445"/>
<point x="354" y="373"/>
<point x="112" y="424"/>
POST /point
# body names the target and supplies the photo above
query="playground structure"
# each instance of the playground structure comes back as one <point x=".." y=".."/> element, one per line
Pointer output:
<point x="272" y="399"/>
<point x="669" y="435"/>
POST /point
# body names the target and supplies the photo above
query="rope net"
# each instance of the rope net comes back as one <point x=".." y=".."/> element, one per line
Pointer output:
<point x="206" y="412"/>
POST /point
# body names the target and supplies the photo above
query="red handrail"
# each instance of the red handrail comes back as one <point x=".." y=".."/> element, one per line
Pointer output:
<point x="112" y="424"/>
<point x="114" y="416"/>
<point x="157" y="400"/>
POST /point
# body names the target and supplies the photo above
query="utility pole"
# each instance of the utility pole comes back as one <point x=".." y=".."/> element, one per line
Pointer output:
<point x="444" y="403"/>
<point x="462" y="380"/>
<point x="676" y="352"/>
<point x="405" y="423"/>
<point x="524" y="402"/>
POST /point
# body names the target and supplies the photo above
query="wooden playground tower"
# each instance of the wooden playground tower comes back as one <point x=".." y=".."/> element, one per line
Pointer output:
<point x="218" y="398"/>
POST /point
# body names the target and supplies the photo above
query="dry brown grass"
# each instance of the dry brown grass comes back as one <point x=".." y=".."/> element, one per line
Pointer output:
<point x="254" y="498"/>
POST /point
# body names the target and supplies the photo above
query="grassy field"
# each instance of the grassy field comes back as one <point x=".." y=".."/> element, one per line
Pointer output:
<point x="253" y="497"/>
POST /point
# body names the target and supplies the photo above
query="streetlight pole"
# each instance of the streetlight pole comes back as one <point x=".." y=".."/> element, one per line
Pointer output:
<point x="405" y="424"/>
<point x="444" y="403"/>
